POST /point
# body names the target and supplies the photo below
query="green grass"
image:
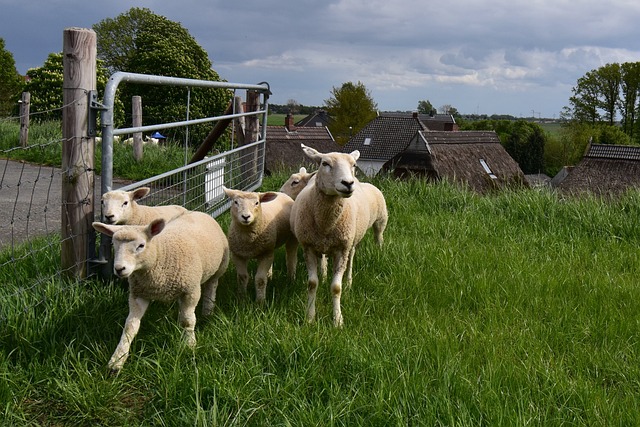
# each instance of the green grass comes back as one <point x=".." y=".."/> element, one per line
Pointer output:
<point x="519" y="308"/>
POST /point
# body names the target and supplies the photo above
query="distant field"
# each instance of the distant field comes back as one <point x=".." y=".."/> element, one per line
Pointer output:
<point x="551" y="128"/>
<point x="278" y="119"/>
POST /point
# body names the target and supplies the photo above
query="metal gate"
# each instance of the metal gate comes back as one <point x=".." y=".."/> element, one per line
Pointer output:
<point x="196" y="186"/>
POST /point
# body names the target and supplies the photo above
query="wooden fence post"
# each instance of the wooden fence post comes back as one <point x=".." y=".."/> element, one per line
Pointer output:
<point x="251" y="131"/>
<point x="136" y="117"/>
<point x="25" y="103"/>
<point x="79" y="77"/>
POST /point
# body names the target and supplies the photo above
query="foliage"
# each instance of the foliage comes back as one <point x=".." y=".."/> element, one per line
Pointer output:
<point x="352" y="107"/>
<point x="524" y="141"/>
<point x="603" y="92"/>
<point x="425" y="107"/>
<point x="140" y="41"/>
<point x="515" y="309"/>
<point x="45" y="86"/>
<point x="10" y="81"/>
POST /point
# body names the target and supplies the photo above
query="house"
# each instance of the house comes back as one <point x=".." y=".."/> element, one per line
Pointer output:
<point x="382" y="139"/>
<point x="604" y="170"/>
<point x="433" y="121"/>
<point x="475" y="158"/>
<point x="282" y="147"/>
<point x="320" y="118"/>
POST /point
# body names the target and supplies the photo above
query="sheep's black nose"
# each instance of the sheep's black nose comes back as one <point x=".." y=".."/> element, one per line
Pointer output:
<point x="109" y="218"/>
<point x="119" y="271"/>
<point x="246" y="217"/>
<point x="347" y="184"/>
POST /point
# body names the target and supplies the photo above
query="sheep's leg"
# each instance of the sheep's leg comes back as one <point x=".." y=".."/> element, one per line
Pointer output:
<point x="349" y="268"/>
<point x="265" y="264"/>
<point x="209" y="295"/>
<point x="137" y="308"/>
<point x="311" y="259"/>
<point x="188" y="303"/>
<point x="324" y="262"/>
<point x="378" y="231"/>
<point x="292" y="257"/>
<point x="242" y="271"/>
<point x="340" y="264"/>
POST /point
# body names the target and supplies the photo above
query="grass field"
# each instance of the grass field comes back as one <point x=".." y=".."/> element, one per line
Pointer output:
<point x="519" y="308"/>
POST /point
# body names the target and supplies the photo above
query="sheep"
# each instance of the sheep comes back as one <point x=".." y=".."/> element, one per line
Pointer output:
<point x="121" y="207"/>
<point x="296" y="182"/>
<point x="164" y="261"/>
<point x="330" y="216"/>
<point x="259" y="225"/>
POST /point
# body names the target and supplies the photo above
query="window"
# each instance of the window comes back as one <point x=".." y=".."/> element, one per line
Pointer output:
<point x="367" y="141"/>
<point x="487" y="169"/>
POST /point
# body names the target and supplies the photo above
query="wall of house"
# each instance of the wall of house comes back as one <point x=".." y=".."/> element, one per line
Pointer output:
<point x="370" y="167"/>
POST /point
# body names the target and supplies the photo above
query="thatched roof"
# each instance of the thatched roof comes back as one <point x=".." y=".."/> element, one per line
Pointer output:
<point x="320" y="118"/>
<point x="475" y="158"/>
<point x="604" y="170"/>
<point x="282" y="149"/>
<point x="384" y="137"/>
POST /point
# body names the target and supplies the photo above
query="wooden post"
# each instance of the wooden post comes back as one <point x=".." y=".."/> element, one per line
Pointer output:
<point x="79" y="77"/>
<point x="25" y="103"/>
<point x="250" y="158"/>
<point x="136" y="117"/>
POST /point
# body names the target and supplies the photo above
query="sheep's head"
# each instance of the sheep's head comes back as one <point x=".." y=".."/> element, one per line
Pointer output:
<point x="246" y="207"/>
<point x="296" y="183"/>
<point x="130" y="242"/>
<point x="336" y="171"/>
<point x="117" y="204"/>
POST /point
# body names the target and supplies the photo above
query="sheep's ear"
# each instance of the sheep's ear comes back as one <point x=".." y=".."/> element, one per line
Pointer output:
<point x="155" y="227"/>
<point x="104" y="228"/>
<point x="355" y="154"/>
<point x="267" y="197"/>
<point x="311" y="153"/>
<point x="139" y="193"/>
<point x="229" y="192"/>
<point x="303" y="170"/>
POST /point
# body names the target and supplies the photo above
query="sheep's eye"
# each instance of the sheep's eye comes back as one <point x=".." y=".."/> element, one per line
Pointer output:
<point x="325" y="163"/>
<point x="257" y="202"/>
<point x="140" y="247"/>
<point x="295" y="183"/>
<point x="125" y="203"/>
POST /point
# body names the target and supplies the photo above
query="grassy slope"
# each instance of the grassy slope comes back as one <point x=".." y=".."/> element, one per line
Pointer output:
<point x="512" y="309"/>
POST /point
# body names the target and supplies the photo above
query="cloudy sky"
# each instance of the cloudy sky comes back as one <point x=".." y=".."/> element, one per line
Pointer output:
<point x="498" y="57"/>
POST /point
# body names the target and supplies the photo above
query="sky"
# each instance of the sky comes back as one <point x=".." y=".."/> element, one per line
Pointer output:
<point x="482" y="57"/>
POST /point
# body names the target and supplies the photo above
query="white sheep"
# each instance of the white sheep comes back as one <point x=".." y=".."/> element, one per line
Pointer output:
<point x="164" y="261"/>
<point x="121" y="207"/>
<point x="296" y="182"/>
<point x="330" y="216"/>
<point x="259" y="225"/>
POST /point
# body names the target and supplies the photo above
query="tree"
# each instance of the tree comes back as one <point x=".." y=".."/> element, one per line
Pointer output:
<point x="293" y="105"/>
<point x="609" y="79"/>
<point x="352" y="107"/>
<point x="10" y="81"/>
<point x="630" y="88"/>
<point x="140" y="41"/>
<point x="586" y="99"/>
<point x="425" y="107"/>
<point x="45" y="86"/>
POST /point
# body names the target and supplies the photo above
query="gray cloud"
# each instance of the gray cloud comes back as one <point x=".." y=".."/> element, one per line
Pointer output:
<point x="504" y="57"/>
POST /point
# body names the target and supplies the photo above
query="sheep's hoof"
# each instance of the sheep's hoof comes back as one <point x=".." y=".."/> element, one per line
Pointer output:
<point x="113" y="372"/>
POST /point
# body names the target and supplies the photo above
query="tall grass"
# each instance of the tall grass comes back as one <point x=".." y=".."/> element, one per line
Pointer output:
<point x="519" y="308"/>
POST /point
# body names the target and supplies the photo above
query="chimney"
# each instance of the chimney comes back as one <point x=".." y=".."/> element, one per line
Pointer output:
<point x="415" y="115"/>
<point x="288" y="123"/>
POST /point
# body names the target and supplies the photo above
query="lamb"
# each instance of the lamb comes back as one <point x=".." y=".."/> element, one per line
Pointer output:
<point x="330" y="216"/>
<point x="259" y="225"/>
<point x="121" y="207"/>
<point x="296" y="182"/>
<point x="164" y="261"/>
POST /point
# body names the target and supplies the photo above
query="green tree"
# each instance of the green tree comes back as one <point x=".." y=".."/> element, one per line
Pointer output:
<point x="609" y="79"/>
<point x="45" y="86"/>
<point x="425" y="107"/>
<point x="140" y="41"/>
<point x="586" y="99"/>
<point x="630" y="88"/>
<point x="10" y="81"/>
<point x="352" y="107"/>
